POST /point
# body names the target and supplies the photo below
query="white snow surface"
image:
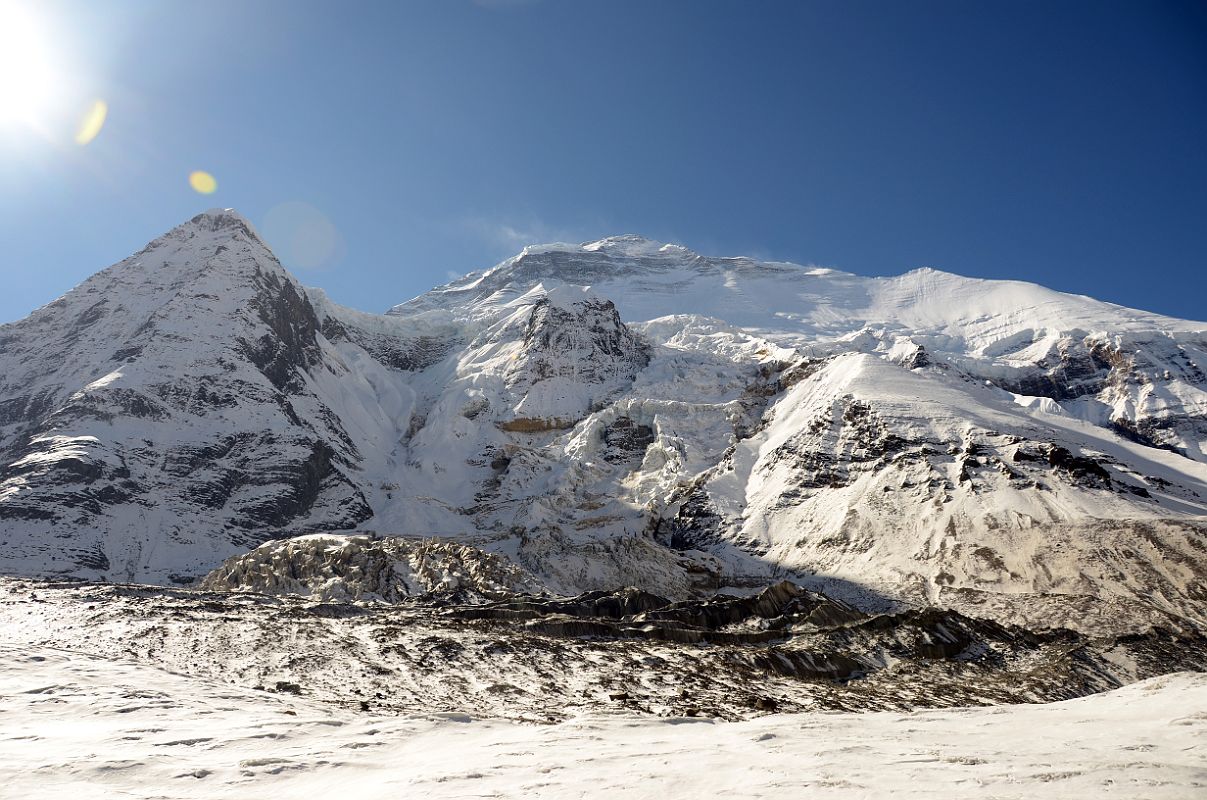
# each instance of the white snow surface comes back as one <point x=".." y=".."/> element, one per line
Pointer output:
<point x="77" y="725"/>
<point x="618" y="412"/>
<point x="649" y="280"/>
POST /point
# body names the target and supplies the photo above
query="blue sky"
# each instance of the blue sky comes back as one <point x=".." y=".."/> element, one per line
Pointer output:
<point x="1058" y="142"/>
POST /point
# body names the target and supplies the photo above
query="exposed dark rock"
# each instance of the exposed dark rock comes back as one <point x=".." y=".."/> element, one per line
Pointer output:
<point x="586" y="343"/>
<point x="291" y="345"/>
<point x="921" y="658"/>
<point x="1153" y="433"/>
<point x="626" y="440"/>
<point x="94" y="559"/>
<point x="631" y="613"/>
<point x="695" y="525"/>
<point x="864" y="444"/>
<point x="25" y="408"/>
<point x="606" y="605"/>
<point x="1076" y="369"/>
<point x="917" y="359"/>
<point x="788" y="631"/>
<point x="1084" y="470"/>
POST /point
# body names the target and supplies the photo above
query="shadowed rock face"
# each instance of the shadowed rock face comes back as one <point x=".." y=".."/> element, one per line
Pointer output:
<point x="696" y="524"/>
<point x="626" y="440"/>
<point x="1113" y="367"/>
<point x="574" y="357"/>
<point x="1086" y="470"/>
<point x="1076" y="369"/>
<point x="289" y="348"/>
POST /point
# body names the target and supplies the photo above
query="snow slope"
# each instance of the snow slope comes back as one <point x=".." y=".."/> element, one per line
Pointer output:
<point x="931" y="437"/>
<point x="619" y="412"/>
<point x="1014" y="333"/>
<point x="153" y="413"/>
<point x="74" y="724"/>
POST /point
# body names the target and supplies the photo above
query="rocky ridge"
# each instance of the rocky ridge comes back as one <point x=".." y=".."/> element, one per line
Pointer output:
<point x="538" y="659"/>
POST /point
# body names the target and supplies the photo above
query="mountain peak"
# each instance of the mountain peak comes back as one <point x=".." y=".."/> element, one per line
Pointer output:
<point x="222" y="216"/>
<point x="217" y="241"/>
<point x="217" y="221"/>
<point x="211" y="232"/>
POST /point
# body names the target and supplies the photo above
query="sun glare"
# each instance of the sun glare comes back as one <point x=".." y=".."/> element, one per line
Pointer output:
<point x="27" y="78"/>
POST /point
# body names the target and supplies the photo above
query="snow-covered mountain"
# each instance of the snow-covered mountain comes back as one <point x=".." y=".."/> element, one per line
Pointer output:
<point x="619" y="412"/>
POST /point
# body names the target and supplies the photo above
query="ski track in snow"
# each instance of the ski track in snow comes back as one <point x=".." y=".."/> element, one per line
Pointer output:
<point x="77" y="725"/>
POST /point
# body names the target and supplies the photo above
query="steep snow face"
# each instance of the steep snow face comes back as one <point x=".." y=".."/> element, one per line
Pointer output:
<point x="649" y="280"/>
<point x="1142" y="373"/>
<point x="180" y="406"/>
<point x="619" y="412"/>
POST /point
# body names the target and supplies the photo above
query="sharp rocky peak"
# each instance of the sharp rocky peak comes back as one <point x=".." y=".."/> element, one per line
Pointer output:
<point x="217" y="219"/>
<point x="210" y="233"/>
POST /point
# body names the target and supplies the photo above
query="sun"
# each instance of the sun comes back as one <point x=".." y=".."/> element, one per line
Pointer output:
<point x="28" y="83"/>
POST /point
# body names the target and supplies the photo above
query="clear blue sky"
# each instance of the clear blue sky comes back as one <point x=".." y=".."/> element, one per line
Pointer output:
<point x="1058" y="142"/>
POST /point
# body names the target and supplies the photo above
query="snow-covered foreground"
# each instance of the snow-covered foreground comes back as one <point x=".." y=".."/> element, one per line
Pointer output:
<point x="75" y="725"/>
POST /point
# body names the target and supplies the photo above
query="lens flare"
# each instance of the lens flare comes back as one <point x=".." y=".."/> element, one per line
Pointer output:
<point x="203" y="182"/>
<point x="301" y="235"/>
<point x="92" y="122"/>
